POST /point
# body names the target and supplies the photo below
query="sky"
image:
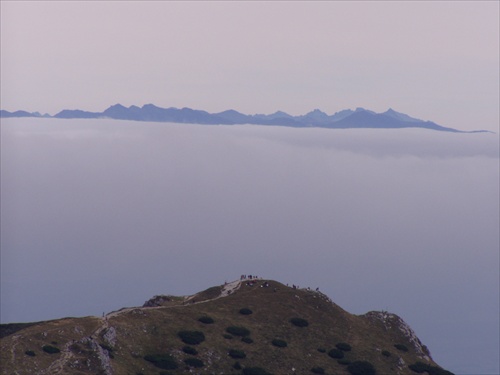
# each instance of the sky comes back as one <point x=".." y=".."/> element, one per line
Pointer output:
<point x="99" y="214"/>
<point x="436" y="61"/>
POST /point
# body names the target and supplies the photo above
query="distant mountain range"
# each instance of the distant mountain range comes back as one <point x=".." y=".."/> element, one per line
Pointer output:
<point x="345" y="119"/>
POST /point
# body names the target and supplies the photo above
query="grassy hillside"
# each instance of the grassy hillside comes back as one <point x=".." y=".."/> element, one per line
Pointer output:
<point x="233" y="329"/>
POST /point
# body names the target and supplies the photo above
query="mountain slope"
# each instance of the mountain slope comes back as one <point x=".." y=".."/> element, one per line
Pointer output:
<point x="6" y="114"/>
<point x="235" y="328"/>
<point x="368" y="119"/>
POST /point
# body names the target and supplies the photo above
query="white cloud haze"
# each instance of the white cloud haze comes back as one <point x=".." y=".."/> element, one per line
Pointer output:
<point x="101" y="214"/>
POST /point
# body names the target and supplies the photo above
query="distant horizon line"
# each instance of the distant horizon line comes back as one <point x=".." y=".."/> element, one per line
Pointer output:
<point x="343" y="119"/>
<point x="185" y="107"/>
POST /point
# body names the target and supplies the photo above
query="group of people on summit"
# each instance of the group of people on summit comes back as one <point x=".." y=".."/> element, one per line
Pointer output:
<point x="253" y="280"/>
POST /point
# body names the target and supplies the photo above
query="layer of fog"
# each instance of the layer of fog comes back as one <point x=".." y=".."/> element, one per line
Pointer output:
<point x="101" y="214"/>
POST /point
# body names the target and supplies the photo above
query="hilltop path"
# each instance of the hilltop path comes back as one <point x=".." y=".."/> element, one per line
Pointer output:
<point x="226" y="290"/>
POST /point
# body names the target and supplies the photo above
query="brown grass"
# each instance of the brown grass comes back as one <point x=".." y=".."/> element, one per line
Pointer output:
<point x="145" y="331"/>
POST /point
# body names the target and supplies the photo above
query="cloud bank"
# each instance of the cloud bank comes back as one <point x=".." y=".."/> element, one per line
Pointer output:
<point x="101" y="214"/>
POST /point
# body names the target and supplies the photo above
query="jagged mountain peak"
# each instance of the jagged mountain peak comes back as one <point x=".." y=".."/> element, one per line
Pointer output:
<point x="150" y="106"/>
<point x="117" y="106"/>
<point x="275" y="115"/>
<point x="400" y="116"/>
<point x="316" y="113"/>
<point x="230" y="111"/>
<point x="281" y="114"/>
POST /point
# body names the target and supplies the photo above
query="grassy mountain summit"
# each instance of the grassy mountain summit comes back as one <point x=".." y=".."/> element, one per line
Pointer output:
<point x="243" y="327"/>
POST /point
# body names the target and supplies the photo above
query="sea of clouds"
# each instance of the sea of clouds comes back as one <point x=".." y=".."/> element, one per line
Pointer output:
<point x="101" y="214"/>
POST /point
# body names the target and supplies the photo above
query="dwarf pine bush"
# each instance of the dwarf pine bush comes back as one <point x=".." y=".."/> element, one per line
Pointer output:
<point x="238" y="331"/>
<point x="163" y="361"/>
<point x="191" y="337"/>
<point x="401" y="347"/>
<point x="343" y="346"/>
<point x="194" y="362"/>
<point x="279" y="343"/>
<point x="336" y="353"/>
<point x="361" y="368"/>
<point x="420" y="368"/>
<point x="344" y="361"/>
<point x="50" y="349"/>
<point x="235" y="353"/>
<point x="299" y="322"/>
<point x="245" y="311"/>
<point x="206" y="320"/>
<point x="189" y="350"/>
<point x="255" y="371"/>
<point x="318" y="370"/>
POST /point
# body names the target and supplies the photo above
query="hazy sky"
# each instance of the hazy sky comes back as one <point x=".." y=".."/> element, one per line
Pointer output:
<point x="436" y="61"/>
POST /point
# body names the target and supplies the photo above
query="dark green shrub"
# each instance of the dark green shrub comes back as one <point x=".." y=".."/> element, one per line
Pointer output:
<point x="194" y="362"/>
<point x="343" y="346"/>
<point x="206" y="320"/>
<point x="361" y="368"/>
<point x="279" y="343"/>
<point x="386" y="353"/>
<point x="50" y="349"/>
<point x="299" y="322"/>
<point x="344" y="361"/>
<point x="420" y="368"/>
<point x="401" y="347"/>
<point x="322" y="350"/>
<point x="318" y="370"/>
<point x="163" y="361"/>
<point x="227" y="336"/>
<point x="255" y="371"/>
<point x="109" y="349"/>
<point x="336" y="353"/>
<point x="106" y="347"/>
<point x="234" y="353"/>
<point x="433" y="370"/>
<point x="30" y="353"/>
<point x="237" y="366"/>
<point x="189" y="350"/>
<point x="238" y="331"/>
<point x="246" y="340"/>
<point x="191" y="337"/>
<point x="245" y="311"/>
